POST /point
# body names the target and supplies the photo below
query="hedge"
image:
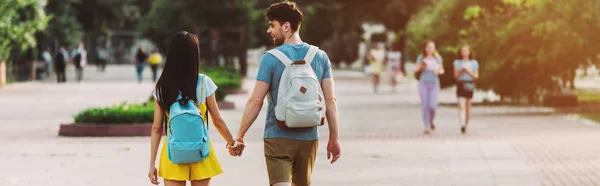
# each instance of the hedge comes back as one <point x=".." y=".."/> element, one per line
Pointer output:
<point x="144" y="113"/>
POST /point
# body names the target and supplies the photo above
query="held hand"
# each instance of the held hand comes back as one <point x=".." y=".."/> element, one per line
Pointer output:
<point x="237" y="148"/>
<point x="333" y="150"/>
<point x="153" y="175"/>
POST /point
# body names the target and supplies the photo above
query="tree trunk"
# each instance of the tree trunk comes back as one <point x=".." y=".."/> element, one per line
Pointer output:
<point x="243" y="53"/>
<point x="572" y="76"/>
<point x="3" y="75"/>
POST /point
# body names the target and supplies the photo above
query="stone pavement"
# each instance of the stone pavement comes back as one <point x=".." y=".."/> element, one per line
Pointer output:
<point x="381" y="139"/>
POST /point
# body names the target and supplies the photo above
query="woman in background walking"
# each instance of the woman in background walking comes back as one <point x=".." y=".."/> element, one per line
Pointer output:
<point x="466" y="72"/>
<point x="376" y="62"/>
<point x="155" y="60"/>
<point x="429" y="67"/>
<point x="393" y="63"/>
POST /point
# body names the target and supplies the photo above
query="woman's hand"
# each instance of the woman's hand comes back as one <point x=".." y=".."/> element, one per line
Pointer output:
<point x="153" y="175"/>
<point x="236" y="149"/>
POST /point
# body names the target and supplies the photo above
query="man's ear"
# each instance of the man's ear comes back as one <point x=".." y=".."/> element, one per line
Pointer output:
<point x="287" y="26"/>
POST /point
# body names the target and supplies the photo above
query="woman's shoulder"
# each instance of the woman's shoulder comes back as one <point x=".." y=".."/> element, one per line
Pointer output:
<point x="204" y="76"/>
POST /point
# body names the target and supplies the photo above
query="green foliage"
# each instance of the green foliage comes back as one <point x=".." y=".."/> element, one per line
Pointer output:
<point x="166" y="17"/>
<point x="224" y="78"/>
<point x="121" y="114"/>
<point x="522" y="46"/>
<point x="63" y="26"/>
<point x="19" y="22"/>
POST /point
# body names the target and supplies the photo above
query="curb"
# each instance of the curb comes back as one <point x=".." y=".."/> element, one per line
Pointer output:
<point x="236" y="91"/>
<point x="226" y="105"/>
<point x="105" y="130"/>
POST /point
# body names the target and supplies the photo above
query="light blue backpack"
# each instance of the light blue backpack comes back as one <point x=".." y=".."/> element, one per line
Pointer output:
<point x="187" y="135"/>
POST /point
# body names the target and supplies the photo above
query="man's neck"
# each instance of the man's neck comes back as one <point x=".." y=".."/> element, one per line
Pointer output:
<point x="293" y="39"/>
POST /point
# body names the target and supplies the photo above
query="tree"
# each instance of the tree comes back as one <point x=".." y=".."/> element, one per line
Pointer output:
<point x="63" y="27"/>
<point x="167" y="17"/>
<point x="19" y="22"/>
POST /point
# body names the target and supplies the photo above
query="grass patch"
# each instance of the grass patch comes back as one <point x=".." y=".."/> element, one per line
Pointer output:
<point x="589" y="104"/>
<point x="591" y="116"/>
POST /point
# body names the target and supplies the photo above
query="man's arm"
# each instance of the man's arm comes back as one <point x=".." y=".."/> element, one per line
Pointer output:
<point x="255" y="103"/>
<point x="333" y="147"/>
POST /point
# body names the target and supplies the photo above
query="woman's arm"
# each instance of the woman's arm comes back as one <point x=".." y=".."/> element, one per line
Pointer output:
<point x="218" y="121"/>
<point x="474" y="74"/>
<point x="457" y="70"/>
<point x="441" y="66"/>
<point x="157" y="130"/>
<point x="420" y="64"/>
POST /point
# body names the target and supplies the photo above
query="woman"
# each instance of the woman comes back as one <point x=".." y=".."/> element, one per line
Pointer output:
<point x="393" y="63"/>
<point x="376" y="60"/>
<point x="154" y="60"/>
<point x="429" y="67"/>
<point x="180" y="77"/>
<point x="466" y="72"/>
<point x="140" y="62"/>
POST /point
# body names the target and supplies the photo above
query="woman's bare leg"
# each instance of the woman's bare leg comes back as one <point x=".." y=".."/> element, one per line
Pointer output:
<point x="174" y="183"/>
<point x="204" y="182"/>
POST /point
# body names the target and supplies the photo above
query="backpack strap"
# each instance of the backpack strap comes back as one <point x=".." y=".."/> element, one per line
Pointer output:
<point x="281" y="56"/>
<point x="310" y="55"/>
<point x="205" y="100"/>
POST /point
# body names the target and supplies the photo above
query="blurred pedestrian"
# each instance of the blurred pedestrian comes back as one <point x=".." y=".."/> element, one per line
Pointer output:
<point x="393" y="66"/>
<point x="79" y="61"/>
<point x="376" y="62"/>
<point x="102" y="54"/>
<point x="155" y="60"/>
<point x="140" y="60"/>
<point x="60" y="63"/>
<point x="466" y="72"/>
<point x="429" y="67"/>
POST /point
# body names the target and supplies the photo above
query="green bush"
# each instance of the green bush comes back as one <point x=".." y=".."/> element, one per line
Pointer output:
<point x="224" y="78"/>
<point x="220" y="94"/>
<point x="121" y="114"/>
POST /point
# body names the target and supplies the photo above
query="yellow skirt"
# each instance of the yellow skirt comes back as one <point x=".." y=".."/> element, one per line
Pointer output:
<point x="376" y="67"/>
<point x="210" y="167"/>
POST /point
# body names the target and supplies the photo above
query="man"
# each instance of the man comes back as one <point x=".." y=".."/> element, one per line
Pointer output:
<point x="102" y="55"/>
<point x="290" y="153"/>
<point x="60" y="64"/>
<point x="79" y="61"/>
<point x="48" y="59"/>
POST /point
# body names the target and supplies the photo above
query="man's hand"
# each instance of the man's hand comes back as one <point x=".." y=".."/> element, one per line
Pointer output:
<point x="236" y="149"/>
<point x="333" y="150"/>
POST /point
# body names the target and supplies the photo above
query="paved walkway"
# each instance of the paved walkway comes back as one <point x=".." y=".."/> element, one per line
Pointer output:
<point x="381" y="140"/>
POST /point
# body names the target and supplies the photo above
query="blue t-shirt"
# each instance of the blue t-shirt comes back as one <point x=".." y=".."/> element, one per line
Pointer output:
<point x="473" y="65"/>
<point x="430" y="75"/>
<point x="270" y="71"/>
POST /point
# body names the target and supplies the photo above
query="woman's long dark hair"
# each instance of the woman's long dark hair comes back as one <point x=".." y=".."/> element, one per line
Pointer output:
<point x="180" y="73"/>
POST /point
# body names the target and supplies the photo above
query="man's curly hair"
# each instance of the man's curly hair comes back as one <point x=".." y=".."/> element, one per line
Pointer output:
<point x="285" y="11"/>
